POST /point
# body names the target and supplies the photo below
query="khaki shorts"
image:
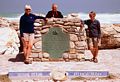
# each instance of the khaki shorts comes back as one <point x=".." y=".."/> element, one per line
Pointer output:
<point x="28" y="37"/>
<point x="93" y="42"/>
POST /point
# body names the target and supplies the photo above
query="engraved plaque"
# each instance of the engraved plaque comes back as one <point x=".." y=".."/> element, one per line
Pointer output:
<point x="55" y="42"/>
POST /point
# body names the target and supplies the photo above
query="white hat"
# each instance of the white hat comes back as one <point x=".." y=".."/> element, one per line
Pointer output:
<point x="28" y="7"/>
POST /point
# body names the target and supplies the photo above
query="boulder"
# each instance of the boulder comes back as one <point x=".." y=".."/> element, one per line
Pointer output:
<point x="110" y="36"/>
<point x="9" y="41"/>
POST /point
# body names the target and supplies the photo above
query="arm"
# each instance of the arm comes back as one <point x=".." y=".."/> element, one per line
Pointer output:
<point x="99" y="30"/>
<point x="85" y="21"/>
<point x="49" y="15"/>
<point x="21" y="26"/>
<point x="39" y="17"/>
<point x="61" y="16"/>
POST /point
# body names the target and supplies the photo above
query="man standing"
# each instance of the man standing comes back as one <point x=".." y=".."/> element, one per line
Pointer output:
<point x="94" y="34"/>
<point x="27" y="31"/>
<point x="54" y="12"/>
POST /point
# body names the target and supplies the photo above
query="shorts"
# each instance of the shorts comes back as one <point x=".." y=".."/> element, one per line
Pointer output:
<point x="28" y="37"/>
<point x="93" y="42"/>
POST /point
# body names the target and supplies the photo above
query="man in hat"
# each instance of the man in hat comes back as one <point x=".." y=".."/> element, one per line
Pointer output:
<point x="54" y="12"/>
<point x="27" y="31"/>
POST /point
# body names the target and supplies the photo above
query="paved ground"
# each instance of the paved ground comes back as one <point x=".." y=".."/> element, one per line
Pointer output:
<point x="108" y="61"/>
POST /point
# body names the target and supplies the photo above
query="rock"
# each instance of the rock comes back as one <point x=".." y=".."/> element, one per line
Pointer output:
<point x="64" y="30"/>
<point x="110" y="36"/>
<point x="67" y="27"/>
<point x="77" y="24"/>
<point x="37" y="32"/>
<point x="57" y="25"/>
<point x="72" y="56"/>
<point x="38" y="36"/>
<point x="50" y="23"/>
<point x="82" y="51"/>
<point x="37" y="24"/>
<point x="73" y="37"/>
<point x="37" y="28"/>
<point x="80" y="43"/>
<point x="60" y="22"/>
<point x="46" y="55"/>
<point x="65" y="20"/>
<point x="9" y="41"/>
<point x="72" y="45"/>
<point x="80" y="47"/>
<point x="44" y="30"/>
<point x="4" y="22"/>
<point x="15" y="25"/>
<point x="34" y="55"/>
<point x="38" y="45"/>
<point x="116" y="36"/>
<point x="69" y="24"/>
<point x="58" y="74"/>
<point x="75" y="20"/>
<point x="65" y="55"/>
<point x="72" y="51"/>
<point x="116" y="28"/>
<point x="109" y="29"/>
<point x="80" y="56"/>
<point x="40" y="55"/>
<point x="37" y="39"/>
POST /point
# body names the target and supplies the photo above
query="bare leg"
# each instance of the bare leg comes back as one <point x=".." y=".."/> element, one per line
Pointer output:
<point x="29" y="49"/>
<point x="95" y="55"/>
<point x="96" y="52"/>
<point x="25" y="48"/>
<point x="92" y="51"/>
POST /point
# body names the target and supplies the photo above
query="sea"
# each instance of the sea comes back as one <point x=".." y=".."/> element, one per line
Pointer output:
<point x="110" y="18"/>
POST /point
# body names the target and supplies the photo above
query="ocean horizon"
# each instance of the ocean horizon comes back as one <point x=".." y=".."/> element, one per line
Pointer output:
<point x="109" y="18"/>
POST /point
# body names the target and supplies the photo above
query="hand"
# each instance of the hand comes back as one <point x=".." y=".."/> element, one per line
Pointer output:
<point x="46" y="20"/>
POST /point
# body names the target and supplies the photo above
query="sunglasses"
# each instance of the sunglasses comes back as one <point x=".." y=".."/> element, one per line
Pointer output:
<point x="28" y="9"/>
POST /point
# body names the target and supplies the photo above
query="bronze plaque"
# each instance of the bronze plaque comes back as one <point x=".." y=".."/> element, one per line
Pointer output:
<point x="55" y="42"/>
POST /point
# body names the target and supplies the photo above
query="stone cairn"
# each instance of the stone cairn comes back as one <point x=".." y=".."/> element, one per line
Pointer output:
<point x="73" y="26"/>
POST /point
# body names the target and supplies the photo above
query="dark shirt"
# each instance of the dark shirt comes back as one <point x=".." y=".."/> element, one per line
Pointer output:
<point x="56" y="14"/>
<point x="93" y="28"/>
<point x="27" y="23"/>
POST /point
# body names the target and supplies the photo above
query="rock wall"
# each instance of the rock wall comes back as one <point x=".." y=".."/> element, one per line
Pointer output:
<point x="73" y="26"/>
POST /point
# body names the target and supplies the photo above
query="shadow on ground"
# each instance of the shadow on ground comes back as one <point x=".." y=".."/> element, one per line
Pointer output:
<point x="18" y="58"/>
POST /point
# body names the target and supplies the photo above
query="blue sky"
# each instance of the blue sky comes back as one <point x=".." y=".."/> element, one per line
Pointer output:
<point x="65" y="6"/>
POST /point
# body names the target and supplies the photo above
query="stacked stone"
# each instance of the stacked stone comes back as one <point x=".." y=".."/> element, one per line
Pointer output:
<point x="72" y="26"/>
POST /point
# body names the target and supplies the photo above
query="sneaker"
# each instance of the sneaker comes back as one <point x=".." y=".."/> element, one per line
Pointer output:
<point x="95" y="60"/>
<point x="27" y="61"/>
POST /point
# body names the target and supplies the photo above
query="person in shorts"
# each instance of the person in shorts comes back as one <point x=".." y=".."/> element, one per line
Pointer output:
<point x="94" y="34"/>
<point x="27" y="31"/>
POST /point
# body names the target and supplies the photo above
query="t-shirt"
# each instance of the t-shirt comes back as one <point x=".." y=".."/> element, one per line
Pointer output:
<point x="56" y="14"/>
<point x="27" y="23"/>
<point x="93" y="28"/>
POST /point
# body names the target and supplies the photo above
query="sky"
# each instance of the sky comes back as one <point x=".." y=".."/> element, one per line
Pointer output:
<point x="65" y="6"/>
